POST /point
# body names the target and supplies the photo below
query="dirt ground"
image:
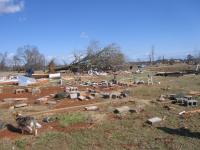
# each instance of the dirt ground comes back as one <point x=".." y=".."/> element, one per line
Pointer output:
<point x="103" y="129"/>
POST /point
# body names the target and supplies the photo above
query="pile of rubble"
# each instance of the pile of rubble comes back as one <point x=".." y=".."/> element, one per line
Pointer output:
<point x="104" y="83"/>
<point x="184" y="100"/>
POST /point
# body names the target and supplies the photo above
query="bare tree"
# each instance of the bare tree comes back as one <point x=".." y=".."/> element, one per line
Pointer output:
<point x="3" y="59"/>
<point x="30" y="57"/>
<point x="109" y="57"/>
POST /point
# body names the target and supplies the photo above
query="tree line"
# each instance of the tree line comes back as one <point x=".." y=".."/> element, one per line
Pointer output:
<point x="24" y="58"/>
<point x="108" y="57"/>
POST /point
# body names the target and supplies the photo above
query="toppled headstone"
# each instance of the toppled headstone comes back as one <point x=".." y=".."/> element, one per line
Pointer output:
<point x="10" y="100"/>
<point x="123" y="109"/>
<point x="29" y="90"/>
<point x="51" y="102"/>
<point x="82" y="98"/>
<point x="36" y="91"/>
<point x="21" y="105"/>
<point x="42" y="100"/>
<point x="154" y="120"/>
<point x="91" y="108"/>
<point x="90" y="97"/>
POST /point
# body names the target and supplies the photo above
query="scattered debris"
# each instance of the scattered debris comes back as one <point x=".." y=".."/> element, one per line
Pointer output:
<point x="139" y="81"/>
<point x="27" y="124"/>
<point x="162" y="98"/>
<point x="60" y="96"/>
<point x="169" y="107"/>
<point x="172" y="96"/>
<point x="49" y="119"/>
<point x="9" y="80"/>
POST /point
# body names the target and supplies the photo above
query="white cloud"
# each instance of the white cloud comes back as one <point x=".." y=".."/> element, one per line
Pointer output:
<point x="84" y="35"/>
<point x="11" y="6"/>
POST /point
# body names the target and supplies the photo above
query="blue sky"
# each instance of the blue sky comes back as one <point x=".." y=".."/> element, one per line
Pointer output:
<point x="60" y="27"/>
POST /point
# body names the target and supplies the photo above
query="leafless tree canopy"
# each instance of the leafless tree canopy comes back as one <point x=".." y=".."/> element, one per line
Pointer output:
<point x="29" y="57"/>
<point x="109" y="57"/>
<point x="3" y="58"/>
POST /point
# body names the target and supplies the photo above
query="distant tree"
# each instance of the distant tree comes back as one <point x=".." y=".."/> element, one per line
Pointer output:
<point x="171" y="61"/>
<point x="3" y="59"/>
<point x="16" y="62"/>
<point x="190" y="59"/>
<point x="30" y="57"/>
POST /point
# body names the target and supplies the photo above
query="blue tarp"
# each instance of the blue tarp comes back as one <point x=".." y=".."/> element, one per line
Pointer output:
<point x="25" y="81"/>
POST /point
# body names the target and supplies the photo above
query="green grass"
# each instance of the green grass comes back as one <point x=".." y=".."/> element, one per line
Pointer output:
<point x="6" y="144"/>
<point x="21" y="144"/>
<point x="71" y="119"/>
<point x="50" y="141"/>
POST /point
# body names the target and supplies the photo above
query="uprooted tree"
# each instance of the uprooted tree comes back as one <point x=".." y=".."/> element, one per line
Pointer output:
<point x="109" y="57"/>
